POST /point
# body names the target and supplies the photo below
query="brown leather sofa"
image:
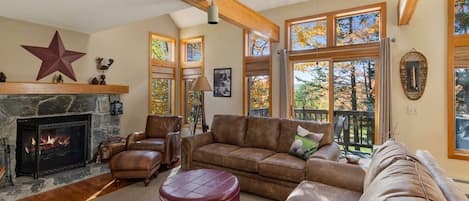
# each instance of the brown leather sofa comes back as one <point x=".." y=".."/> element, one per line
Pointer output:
<point x="393" y="174"/>
<point x="162" y="134"/>
<point x="256" y="151"/>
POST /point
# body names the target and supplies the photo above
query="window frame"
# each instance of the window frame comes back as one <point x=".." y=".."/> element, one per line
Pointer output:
<point x="154" y="65"/>
<point x="254" y="59"/>
<point x="333" y="53"/>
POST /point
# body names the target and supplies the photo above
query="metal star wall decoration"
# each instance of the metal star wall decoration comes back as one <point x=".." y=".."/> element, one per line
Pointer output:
<point x="55" y="58"/>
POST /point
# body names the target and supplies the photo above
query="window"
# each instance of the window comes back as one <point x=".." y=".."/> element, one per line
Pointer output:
<point x="162" y="68"/>
<point x="458" y="80"/>
<point x="192" y="62"/>
<point x="257" y="88"/>
<point x="333" y="81"/>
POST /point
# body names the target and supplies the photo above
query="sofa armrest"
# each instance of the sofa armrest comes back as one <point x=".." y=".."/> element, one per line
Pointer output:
<point x="134" y="137"/>
<point x="327" y="152"/>
<point x="337" y="174"/>
<point x="189" y="144"/>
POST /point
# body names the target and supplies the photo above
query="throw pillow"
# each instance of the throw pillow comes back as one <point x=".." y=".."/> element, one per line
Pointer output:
<point x="305" y="143"/>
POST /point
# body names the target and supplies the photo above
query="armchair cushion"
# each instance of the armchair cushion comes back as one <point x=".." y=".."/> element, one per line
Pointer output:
<point x="229" y="129"/>
<point x="160" y="126"/>
<point x="283" y="166"/>
<point x="151" y="144"/>
<point x="246" y="159"/>
<point x="213" y="153"/>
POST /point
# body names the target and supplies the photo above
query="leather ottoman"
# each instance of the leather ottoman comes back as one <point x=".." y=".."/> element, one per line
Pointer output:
<point x="135" y="164"/>
<point x="201" y="185"/>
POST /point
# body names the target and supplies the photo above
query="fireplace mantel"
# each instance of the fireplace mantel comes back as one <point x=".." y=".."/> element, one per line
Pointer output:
<point x="23" y="88"/>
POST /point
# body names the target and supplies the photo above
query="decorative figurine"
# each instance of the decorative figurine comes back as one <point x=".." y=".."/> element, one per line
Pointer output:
<point x="102" y="64"/>
<point x="3" y="77"/>
<point x="94" y="81"/>
<point x="57" y="79"/>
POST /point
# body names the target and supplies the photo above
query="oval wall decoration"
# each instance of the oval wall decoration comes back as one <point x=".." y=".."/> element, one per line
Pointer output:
<point x="413" y="72"/>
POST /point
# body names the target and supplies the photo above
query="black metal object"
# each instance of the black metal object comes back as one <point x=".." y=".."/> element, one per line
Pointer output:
<point x="62" y="156"/>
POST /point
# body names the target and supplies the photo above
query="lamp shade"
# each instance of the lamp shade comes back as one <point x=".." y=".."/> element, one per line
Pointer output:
<point x="212" y="13"/>
<point x="201" y="84"/>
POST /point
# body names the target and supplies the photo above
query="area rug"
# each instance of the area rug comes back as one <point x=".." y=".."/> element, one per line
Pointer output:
<point x="138" y="192"/>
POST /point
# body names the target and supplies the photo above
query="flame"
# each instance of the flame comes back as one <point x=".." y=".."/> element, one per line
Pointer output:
<point x="48" y="142"/>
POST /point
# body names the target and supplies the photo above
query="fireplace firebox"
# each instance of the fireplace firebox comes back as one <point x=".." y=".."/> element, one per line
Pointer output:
<point x="51" y="144"/>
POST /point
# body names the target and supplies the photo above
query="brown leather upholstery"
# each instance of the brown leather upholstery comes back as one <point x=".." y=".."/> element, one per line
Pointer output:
<point x="190" y="144"/>
<point x="135" y="164"/>
<point x="403" y="180"/>
<point x="213" y="153"/>
<point x="229" y="129"/>
<point x="283" y="166"/>
<point x="288" y="131"/>
<point x="246" y="158"/>
<point x="313" y="191"/>
<point x="262" y="133"/>
<point x="327" y="152"/>
<point x="161" y="134"/>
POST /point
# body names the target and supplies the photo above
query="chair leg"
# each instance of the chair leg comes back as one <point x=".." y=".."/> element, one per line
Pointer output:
<point x="147" y="181"/>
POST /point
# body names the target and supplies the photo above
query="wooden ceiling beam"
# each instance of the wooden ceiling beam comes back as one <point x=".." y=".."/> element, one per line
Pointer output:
<point x="406" y="9"/>
<point x="240" y="15"/>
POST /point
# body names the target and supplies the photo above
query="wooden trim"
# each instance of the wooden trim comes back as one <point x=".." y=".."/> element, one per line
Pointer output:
<point x="23" y="88"/>
<point x="405" y="11"/>
<point x="245" y="80"/>
<point x="342" y="52"/>
<point x="239" y="14"/>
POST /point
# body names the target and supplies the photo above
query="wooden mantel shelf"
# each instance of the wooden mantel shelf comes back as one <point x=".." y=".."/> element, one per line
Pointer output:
<point x="16" y="88"/>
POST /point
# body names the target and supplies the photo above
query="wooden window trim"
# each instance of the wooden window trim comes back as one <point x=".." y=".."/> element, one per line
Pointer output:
<point x="153" y="64"/>
<point x="255" y="59"/>
<point x="453" y="42"/>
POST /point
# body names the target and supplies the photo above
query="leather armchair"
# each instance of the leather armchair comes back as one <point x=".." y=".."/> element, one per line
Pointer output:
<point x="162" y="134"/>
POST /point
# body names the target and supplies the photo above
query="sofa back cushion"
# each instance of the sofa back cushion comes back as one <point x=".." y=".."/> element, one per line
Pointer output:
<point x="262" y="133"/>
<point x="446" y="184"/>
<point x="288" y="130"/>
<point x="385" y="155"/>
<point x="403" y="180"/>
<point x="159" y="126"/>
<point x="229" y="129"/>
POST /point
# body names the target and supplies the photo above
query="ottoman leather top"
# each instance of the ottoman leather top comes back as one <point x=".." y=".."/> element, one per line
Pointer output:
<point x="200" y="185"/>
<point x="135" y="160"/>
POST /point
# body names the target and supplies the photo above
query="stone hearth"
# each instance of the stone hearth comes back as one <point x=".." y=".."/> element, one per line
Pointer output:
<point x="13" y="107"/>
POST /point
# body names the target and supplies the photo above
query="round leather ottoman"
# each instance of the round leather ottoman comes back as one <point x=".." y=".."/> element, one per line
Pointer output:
<point x="201" y="185"/>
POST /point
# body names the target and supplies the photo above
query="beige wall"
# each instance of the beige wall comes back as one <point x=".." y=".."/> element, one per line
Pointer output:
<point x="127" y="45"/>
<point x="427" y="33"/>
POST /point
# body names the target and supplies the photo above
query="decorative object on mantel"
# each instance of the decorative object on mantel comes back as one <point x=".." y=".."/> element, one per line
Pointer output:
<point x="3" y="77"/>
<point x="103" y="64"/>
<point x="55" y="58"/>
<point x="413" y="73"/>
<point x="57" y="79"/>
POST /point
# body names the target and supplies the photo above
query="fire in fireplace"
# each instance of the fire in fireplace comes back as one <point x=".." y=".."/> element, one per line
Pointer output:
<point x="51" y="144"/>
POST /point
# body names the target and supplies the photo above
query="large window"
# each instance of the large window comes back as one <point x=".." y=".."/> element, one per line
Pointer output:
<point x="334" y="74"/>
<point x="162" y="73"/>
<point x="192" y="63"/>
<point x="257" y="75"/>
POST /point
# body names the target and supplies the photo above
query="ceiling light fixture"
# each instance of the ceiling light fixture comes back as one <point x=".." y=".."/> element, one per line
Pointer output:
<point x="212" y="13"/>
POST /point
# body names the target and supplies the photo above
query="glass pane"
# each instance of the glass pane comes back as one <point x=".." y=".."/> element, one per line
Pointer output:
<point x="462" y="108"/>
<point x="308" y="35"/>
<point x="258" y="45"/>
<point x="194" y="51"/>
<point x="161" y="96"/>
<point x="354" y="100"/>
<point x="311" y="95"/>
<point x="161" y="50"/>
<point x="258" y="96"/>
<point x="191" y="100"/>
<point x="461" y="18"/>
<point x="358" y="29"/>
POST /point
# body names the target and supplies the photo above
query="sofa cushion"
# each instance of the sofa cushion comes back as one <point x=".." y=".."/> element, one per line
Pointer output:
<point x="229" y="129"/>
<point x="213" y="153"/>
<point x="152" y="144"/>
<point x="308" y="191"/>
<point x="403" y="180"/>
<point x="384" y="156"/>
<point x="246" y="159"/>
<point x="283" y="166"/>
<point x="159" y="126"/>
<point x="262" y="133"/>
<point x="288" y="131"/>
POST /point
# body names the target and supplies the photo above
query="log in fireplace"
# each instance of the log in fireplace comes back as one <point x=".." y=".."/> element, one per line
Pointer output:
<point x="51" y="144"/>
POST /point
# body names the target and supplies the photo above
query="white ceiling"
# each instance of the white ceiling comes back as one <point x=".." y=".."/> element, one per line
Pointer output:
<point x="192" y="16"/>
<point x="91" y="16"/>
<point x="87" y="15"/>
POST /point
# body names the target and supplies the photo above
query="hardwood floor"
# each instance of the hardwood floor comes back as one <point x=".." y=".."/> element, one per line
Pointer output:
<point x="82" y="191"/>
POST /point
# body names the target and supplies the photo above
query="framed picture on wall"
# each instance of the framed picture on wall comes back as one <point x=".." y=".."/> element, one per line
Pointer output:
<point x="222" y="82"/>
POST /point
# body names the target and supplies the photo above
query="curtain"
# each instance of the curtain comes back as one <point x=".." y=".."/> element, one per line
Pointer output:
<point x="284" y="101"/>
<point x="384" y="88"/>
